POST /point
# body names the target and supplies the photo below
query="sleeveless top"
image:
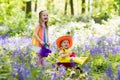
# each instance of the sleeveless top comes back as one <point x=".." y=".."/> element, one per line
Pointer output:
<point x="42" y="33"/>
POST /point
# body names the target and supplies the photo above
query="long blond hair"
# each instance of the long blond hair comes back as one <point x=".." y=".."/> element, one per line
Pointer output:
<point x="40" y="20"/>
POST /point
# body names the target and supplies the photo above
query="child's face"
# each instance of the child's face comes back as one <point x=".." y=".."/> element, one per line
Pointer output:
<point x="44" y="16"/>
<point x="65" y="44"/>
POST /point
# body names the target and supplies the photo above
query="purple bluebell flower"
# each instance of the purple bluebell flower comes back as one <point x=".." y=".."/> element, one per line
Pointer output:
<point x="115" y="49"/>
<point x="31" y="66"/>
<point x="29" y="59"/>
<point x="4" y="36"/>
<point x="21" y="76"/>
<point x="26" y="73"/>
<point x="53" y="66"/>
<point x="109" y="40"/>
<point x="90" y="78"/>
<point x="2" y="42"/>
<point x="95" y="50"/>
<point x="118" y="77"/>
<point x="109" y="73"/>
<point x="119" y="41"/>
<point x="54" y="76"/>
<point x="86" y="68"/>
<point x="62" y="71"/>
<point x="87" y="47"/>
<point x="40" y="76"/>
<point x="16" y="51"/>
<point x="119" y="71"/>
<point x="104" y="48"/>
<point x="23" y="71"/>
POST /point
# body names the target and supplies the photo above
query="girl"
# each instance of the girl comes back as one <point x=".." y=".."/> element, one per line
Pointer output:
<point x="40" y="36"/>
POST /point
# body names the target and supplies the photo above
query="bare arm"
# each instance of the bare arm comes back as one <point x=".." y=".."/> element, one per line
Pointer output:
<point x="36" y="34"/>
<point x="63" y="54"/>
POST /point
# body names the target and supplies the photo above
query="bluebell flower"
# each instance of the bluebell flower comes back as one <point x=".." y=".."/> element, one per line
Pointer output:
<point x="31" y="66"/>
<point x="22" y="71"/>
<point x="54" y="76"/>
<point x="118" y="77"/>
<point x="29" y="59"/>
<point x="2" y="42"/>
<point x="62" y="71"/>
<point x="16" y="51"/>
<point x="86" y="68"/>
<point x="119" y="71"/>
<point x="87" y="47"/>
<point x="119" y="41"/>
<point x="115" y="49"/>
<point x="4" y="36"/>
<point x="95" y="50"/>
<point x="103" y="48"/>
<point x="26" y="73"/>
<point x="21" y="77"/>
<point x="109" y="73"/>
<point x="90" y="78"/>
<point x="109" y="40"/>
<point x="53" y="66"/>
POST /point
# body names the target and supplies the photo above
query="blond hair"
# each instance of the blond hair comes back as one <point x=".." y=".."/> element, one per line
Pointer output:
<point x="40" y="20"/>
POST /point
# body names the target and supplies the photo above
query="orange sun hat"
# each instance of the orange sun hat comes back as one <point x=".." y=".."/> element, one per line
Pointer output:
<point x="60" y="39"/>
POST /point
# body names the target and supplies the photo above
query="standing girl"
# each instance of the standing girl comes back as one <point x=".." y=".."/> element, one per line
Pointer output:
<point x="40" y="36"/>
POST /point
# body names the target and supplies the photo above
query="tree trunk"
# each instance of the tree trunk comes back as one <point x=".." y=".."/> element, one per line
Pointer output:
<point x="119" y="10"/>
<point x="65" y="12"/>
<point x="28" y="9"/>
<point x="71" y="5"/>
<point x="100" y="1"/>
<point x="36" y="5"/>
<point x="23" y="8"/>
<point x="90" y="5"/>
<point x="83" y="6"/>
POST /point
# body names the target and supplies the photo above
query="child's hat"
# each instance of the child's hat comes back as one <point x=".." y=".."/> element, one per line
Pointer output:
<point x="60" y="39"/>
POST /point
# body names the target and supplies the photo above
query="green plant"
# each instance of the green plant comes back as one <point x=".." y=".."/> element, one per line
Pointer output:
<point x="98" y="64"/>
<point x="101" y="16"/>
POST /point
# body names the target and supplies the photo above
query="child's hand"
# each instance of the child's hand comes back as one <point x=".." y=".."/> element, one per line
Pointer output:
<point x="65" y="55"/>
<point x="42" y="43"/>
<point x="49" y="44"/>
<point x="73" y="54"/>
<point x="62" y="55"/>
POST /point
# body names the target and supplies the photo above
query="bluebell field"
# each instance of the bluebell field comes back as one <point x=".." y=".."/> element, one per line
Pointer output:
<point x="18" y="60"/>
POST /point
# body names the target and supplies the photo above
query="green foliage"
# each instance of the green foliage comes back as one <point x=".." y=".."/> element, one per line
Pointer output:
<point x="98" y="64"/>
<point x="114" y="58"/>
<point x="52" y="57"/>
<point x="12" y="14"/>
<point x="84" y="17"/>
<point x="101" y="16"/>
<point x="61" y="19"/>
<point x="5" y="70"/>
<point x="13" y="17"/>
